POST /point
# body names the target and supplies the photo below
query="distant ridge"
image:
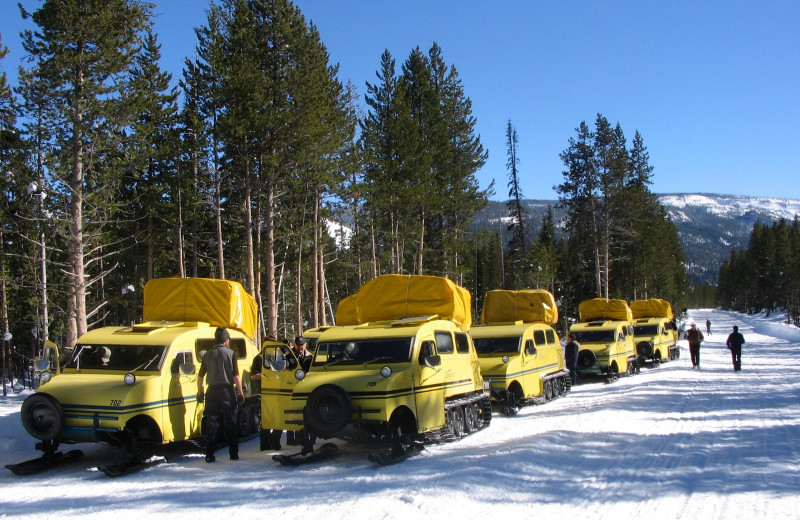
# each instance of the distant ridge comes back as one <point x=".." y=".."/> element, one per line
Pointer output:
<point x="710" y="225"/>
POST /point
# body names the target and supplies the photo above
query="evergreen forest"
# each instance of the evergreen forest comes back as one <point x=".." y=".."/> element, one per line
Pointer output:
<point x="260" y="165"/>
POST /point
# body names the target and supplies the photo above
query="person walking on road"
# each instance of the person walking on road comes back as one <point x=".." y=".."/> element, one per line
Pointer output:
<point x="219" y="364"/>
<point x="735" y="342"/>
<point x="694" y="337"/>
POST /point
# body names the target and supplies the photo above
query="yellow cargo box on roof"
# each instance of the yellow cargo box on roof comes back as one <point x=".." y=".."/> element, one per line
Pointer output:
<point x="527" y="305"/>
<point x="652" y="308"/>
<point x="604" y="309"/>
<point x="221" y="303"/>
<point x="397" y="296"/>
<point x="347" y="311"/>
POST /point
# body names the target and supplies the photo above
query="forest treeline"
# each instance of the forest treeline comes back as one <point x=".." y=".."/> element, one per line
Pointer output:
<point x="765" y="276"/>
<point x="260" y="165"/>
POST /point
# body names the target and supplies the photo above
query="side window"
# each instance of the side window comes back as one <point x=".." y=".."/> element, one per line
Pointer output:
<point x="238" y="346"/>
<point x="180" y="358"/>
<point x="621" y="336"/>
<point x="529" y="347"/>
<point x="538" y="337"/>
<point x="444" y="342"/>
<point x="462" y="343"/>
<point x="425" y="350"/>
<point x="551" y="336"/>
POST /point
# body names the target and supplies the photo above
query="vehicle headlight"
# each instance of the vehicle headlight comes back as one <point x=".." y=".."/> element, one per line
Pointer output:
<point x="299" y="374"/>
<point x="45" y="377"/>
<point x="129" y="378"/>
<point x="386" y="371"/>
<point x="505" y="359"/>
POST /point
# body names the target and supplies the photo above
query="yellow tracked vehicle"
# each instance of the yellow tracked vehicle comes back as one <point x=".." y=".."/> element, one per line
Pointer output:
<point x="654" y="331"/>
<point x="605" y="333"/>
<point x="137" y="385"/>
<point x="520" y="354"/>
<point x="403" y="369"/>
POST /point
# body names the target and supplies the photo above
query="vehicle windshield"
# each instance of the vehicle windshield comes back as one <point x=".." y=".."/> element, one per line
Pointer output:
<point x="118" y="357"/>
<point x="386" y="350"/>
<point x="497" y="345"/>
<point x="596" y="336"/>
<point x="645" y="330"/>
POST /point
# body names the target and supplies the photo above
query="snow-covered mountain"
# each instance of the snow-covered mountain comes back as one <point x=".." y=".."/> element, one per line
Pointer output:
<point x="710" y="225"/>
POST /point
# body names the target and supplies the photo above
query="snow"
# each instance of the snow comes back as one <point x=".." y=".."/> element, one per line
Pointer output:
<point x="671" y="442"/>
<point x="729" y="205"/>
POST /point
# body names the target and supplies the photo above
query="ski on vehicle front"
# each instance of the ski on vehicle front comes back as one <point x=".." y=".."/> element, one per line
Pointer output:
<point x="129" y="466"/>
<point x="394" y="455"/>
<point x="43" y="463"/>
<point x="325" y="451"/>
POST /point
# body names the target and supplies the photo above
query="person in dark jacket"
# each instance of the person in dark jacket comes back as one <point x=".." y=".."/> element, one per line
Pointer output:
<point x="219" y="364"/>
<point x="571" y="357"/>
<point x="694" y="337"/>
<point x="304" y="357"/>
<point x="735" y="342"/>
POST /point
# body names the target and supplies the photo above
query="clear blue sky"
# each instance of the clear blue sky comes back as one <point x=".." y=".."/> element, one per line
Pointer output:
<point x="713" y="87"/>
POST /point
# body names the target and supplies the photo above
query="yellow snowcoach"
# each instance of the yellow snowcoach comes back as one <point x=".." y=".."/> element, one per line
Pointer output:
<point x="137" y="385"/>
<point x="404" y="368"/>
<point x="520" y="354"/>
<point x="654" y="331"/>
<point x="605" y="333"/>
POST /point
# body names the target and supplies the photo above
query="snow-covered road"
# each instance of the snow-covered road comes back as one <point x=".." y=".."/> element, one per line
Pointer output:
<point x="671" y="442"/>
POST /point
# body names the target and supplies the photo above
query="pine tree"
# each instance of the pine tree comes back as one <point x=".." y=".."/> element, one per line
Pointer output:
<point x="82" y="54"/>
<point x="518" y="244"/>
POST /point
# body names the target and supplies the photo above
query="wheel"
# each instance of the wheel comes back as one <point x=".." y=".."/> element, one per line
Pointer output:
<point x="256" y="423"/>
<point x="471" y="418"/>
<point x="644" y="349"/>
<point x="244" y="421"/>
<point x="556" y="388"/>
<point x="455" y="421"/>
<point x="548" y="390"/>
<point x="328" y="410"/>
<point x="586" y="359"/>
<point x="42" y="416"/>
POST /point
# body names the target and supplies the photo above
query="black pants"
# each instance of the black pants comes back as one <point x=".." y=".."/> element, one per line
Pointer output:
<point x="221" y="406"/>
<point x="736" y="355"/>
<point x="694" y="350"/>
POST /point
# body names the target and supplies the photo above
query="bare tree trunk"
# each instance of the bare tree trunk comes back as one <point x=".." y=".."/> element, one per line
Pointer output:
<point x="149" y="256"/>
<point x="77" y="276"/>
<point x="3" y="311"/>
<point x="298" y="291"/>
<point x="374" y="247"/>
<point x="181" y="271"/>
<point x="248" y="227"/>
<point x="421" y="245"/>
<point x="218" y="210"/>
<point x="269" y="259"/>
<point x="315" y="226"/>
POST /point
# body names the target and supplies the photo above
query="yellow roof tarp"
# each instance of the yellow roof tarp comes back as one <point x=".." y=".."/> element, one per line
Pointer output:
<point x="398" y="296"/>
<point x="221" y="303"/>
<point x="652" y="308"/>
<point x="347" y="311"/>
<point x="528" y="305"/>
<point x="604" y="309"/>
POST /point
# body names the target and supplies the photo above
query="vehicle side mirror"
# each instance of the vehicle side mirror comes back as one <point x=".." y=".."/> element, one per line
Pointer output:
<point x="186" y="369"/>
<point x="277" y="365"/>
<point x="433" y="361"/>
<point x="41" y="365"/>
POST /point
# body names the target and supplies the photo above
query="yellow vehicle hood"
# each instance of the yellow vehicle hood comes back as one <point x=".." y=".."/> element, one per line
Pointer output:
<point x="93" y="389"/>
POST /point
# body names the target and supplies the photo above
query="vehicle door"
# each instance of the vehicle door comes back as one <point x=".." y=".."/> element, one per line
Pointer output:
<point x="531" y="352"/>
<point x="429" y="385"/>
<point x="277" y="384"/>
<point x="181" y="415"/>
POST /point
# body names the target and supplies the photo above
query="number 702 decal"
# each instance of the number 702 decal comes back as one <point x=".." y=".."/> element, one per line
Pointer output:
<point x="116" y="402"/>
